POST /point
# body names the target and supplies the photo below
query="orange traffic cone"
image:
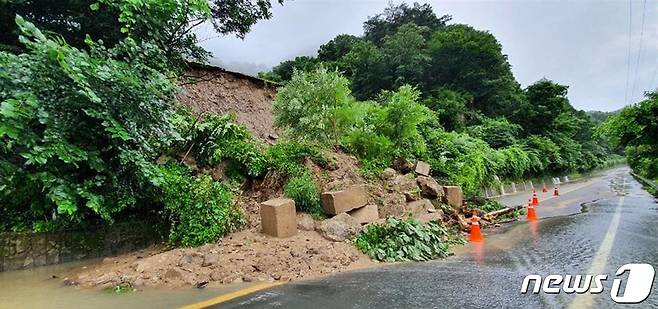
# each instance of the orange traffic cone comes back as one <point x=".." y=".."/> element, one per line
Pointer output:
<point x="543" y="189"/>
<point x="556" y="192"/>
<point x="476" y="233"/>
<point x="535" y="199"/>
<point x="532" y="215"/>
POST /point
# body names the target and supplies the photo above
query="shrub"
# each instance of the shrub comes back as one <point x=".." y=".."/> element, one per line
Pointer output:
<point x="79" y="131"/>
<point x="220" y="138"/>
<point x="308" y="105"/>
<point x="403" y="117"/>
<point x="287" y="158"/>
<point x="199" y="209"/>
<point x="497" y="133"/>
<point x="460" y="159"/>
<point x="306" y="194"/>
<point x="403" y="240"/>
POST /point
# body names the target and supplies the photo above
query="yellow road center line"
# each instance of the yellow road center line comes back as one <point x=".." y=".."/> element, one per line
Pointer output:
<point x="601" y="257"/>
<point x="230" y="296"/>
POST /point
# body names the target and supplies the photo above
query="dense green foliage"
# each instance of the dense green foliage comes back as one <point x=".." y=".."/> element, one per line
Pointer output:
<point x="72" y="140"/>
<point x="89" y="136"/>
<point x="403" y="240"/>
<point x="309" y="106"/>
<point x="306" y="194"/>
<point x="199" y="209"/>
<point x="635" y="130"/>
<point x="167" y="24"/>
<point x="217" y="139"/>
<point x="443" y="93"/>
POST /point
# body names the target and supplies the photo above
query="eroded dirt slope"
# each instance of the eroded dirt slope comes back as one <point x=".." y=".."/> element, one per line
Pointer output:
<point x="216" y="91"/>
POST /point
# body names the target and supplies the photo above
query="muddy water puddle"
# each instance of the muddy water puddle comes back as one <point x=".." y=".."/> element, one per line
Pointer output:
<point x="43" y="287"/>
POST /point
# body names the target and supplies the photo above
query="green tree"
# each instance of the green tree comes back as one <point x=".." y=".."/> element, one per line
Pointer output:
<point x="376" y="28"/>
<point x="635" y="129"/>
<point x="498" y="133"/>
<point x="79" y="131"/>
<point x="450" y="108"/>
<point x="405" y="54"/>
<point x="337" y="48"/>
<point x="471" y="61"/>
<point x="284" y="71"/>
<point x="169" y="24"/>
<point x="367" y="66"/>
<point x="546" y="100"/>
<point x="308" y="106"/>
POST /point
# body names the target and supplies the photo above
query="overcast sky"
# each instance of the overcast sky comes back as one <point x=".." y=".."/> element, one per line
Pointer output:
<point x="583" y="44"/>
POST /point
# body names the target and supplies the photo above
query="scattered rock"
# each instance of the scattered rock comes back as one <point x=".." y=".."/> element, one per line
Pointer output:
<point x="201" y="285"/>
<point x="402" y="183"/>
<point x="418" y="208"/>
<point x="411" y="196"/>
<point x="139" y="282"/>
<point x="454" y="196"/>
<point x="278" y="217"/>
<point x="433" y="216"/>
<point x="365" y="214"/>
<point x="429" y="187"/>
<point x="336" y="202"/>
<point x="172" y="274"/>
<point x="388" y="174"/>
<point x="248" y="278"/>
<point x="70" y="282"/>
<point x="391" y="204"/>
<point x="422" y="168"/>
<point x="305" y="222"/>
<point x="339" y="228"/>
<point x="402" y="165"/>
<point x="209" y="260"/>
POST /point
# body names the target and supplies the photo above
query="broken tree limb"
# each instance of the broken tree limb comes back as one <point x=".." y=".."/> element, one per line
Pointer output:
<point x="491" y="216"/>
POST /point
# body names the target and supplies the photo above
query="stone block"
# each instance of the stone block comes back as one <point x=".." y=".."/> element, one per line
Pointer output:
<point x="429" y="187"/>
<point x="418" y="208"/>
<point x="422" y="168"/>
<point x="454" y="196"/>
<point x="278" y="217"/>
<point x="365" y="214"/>
<point x="336" y="202"/>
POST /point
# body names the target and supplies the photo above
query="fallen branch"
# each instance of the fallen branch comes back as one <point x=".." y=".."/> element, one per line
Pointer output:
<point x="491" y="216"/>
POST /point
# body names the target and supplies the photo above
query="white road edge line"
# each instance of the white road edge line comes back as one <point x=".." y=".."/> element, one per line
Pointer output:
<point x="601" y="257"/>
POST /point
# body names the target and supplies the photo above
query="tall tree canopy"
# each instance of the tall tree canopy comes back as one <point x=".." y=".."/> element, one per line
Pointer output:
<point x="376" y="28"/>
<point x="166" y="23"/>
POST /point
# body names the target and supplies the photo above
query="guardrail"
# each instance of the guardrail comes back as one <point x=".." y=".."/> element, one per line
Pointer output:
<point x="510" y="188"/>
<point x="647" y="182"/>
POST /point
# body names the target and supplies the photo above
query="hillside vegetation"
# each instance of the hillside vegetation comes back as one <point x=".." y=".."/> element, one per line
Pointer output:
<point x="416" y="87"/>
<point x="91" y="132"/>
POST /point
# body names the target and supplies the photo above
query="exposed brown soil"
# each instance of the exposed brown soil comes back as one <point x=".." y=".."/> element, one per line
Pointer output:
<point x="249" y="255"/>
<point x="241" y="257"/>
<point x="215" y="91"/>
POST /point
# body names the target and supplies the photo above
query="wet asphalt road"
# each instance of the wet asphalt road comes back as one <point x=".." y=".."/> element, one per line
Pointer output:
<point x="612" y="222"/>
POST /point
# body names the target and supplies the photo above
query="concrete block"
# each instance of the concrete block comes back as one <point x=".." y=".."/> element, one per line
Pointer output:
<point x="336" y="202"/>
<point x="422" y="168"/>
<point x="454" y="196"/>
<point x="365" y="214"/>
<point x="278" y="217"/>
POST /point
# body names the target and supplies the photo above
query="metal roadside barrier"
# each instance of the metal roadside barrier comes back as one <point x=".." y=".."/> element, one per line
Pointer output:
<point x="646" y="181"/>
<point x="502" y="188"/>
